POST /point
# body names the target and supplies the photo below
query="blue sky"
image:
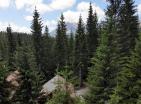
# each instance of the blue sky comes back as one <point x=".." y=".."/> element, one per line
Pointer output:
<point x="18" y="13"/>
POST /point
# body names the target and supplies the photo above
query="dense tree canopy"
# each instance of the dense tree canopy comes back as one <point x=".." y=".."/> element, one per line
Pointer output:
<point x="103" y="56"/>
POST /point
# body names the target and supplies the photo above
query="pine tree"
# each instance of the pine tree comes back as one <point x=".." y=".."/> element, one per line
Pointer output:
<point x="37" y="41"/>
<point x="19" y="41"/>
<point x="128" y="26"/>
<point x="71" y="49"/>
<point x="102" y="77"/>
<point x="3" y="92"/>
<point x="61" y="43"/>
<point x="4" y="46"/>
<point x="139" y="100"/>
<point x="47" y="48"/>
<point x="92" y="31"/>
<point x="128" y="30"/>
<point x="11" y="48"/>
<point x="129" y="79"/>
<point x="81" y="52"/>
<point x="32" y="79"/>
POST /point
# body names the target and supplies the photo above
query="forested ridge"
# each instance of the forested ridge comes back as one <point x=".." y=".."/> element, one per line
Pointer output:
<point x="104" y="55"/>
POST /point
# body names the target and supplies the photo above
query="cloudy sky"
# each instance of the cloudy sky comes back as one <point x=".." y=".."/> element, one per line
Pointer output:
<point x="18" y="13"/>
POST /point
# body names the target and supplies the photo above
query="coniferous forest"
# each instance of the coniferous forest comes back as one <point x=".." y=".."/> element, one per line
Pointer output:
<point x="103" y="56"/>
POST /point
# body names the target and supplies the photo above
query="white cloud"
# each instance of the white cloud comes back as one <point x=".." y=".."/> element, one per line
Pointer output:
<point x="52" y="24"/>
<point x="28" y="18"/>
<point x="139" y="8"/>
<point x="82" y="8"/>
<point x="29" y="5"/>
<point x="72" y="16"/>
<point x="61" y="4"/>
<point x="15" y="27"/>
<point x="4" y="3"/>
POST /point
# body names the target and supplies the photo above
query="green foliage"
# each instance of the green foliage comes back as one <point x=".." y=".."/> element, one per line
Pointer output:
<point x="81" y="52"/>
<point x="114" y="98"/>
<point x="32" y="79"/>
<point x="130" y="78"/>
<point x="71" y="42"/>
<point x="3" y="92"/>
<point x="79" y="101"/>
<point x="48" y="55"/>
<point x="92" y="31"/>
<point x="99" y="77"/>
<point x="37" y="42"/>
<point x="11" y="48"/>
<point x="3" y="70"/>
<point x="3" y="46"/>
<point x="102" y="77"/>
<point x="60" y="97"/>
<point x="68" y="75"/>
<point x="61" y="44"/>
<point x="139" y="100"/>
<point x="114" y="75"/>
<point x="128" y="26"/>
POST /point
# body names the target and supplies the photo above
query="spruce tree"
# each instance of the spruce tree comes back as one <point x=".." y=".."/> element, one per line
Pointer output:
<point x="101" y="77"/>
<point x="47" y="48"/>
<point x="128" y="26"/>
<point x="3" y="91"/>
<point x="32" y="79"/>
<point x="139" y="100"/>
<point x="71" y="49"/>
<point x="4" y="46"/>
<point x="103" y="74"/>
<point x="92" y="31"/>
<point x="129" y="80"/>
<point x="19" y="40"/>
<point x="11" y="48"/>
<point x="23" y="94"/>
<point x="61" y="43"/>
<point x="37" y="41"/>
<point x="81" y="52"/>
<point x="128" y="30"/>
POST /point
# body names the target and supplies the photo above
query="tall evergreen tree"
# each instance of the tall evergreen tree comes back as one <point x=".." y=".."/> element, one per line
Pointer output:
<point x="32" y="79"/>
<point x="47" y="53"/>
<point x="102" y="77"/>
<point x="128" y="30"/>
<point x="11" y="48"/>
<point x="61" y="43"/>
<point x="37" y="41"/>
<point x="19" y="41"/>
<point x="129" y="85"/>
<point x="3" y="46"/>
<point x="3" y="91"/>
<point x="71" y="49"/>
<point x="128" y="26"/>
<point x="81" y="51"/>
<point x="92" y="31"/>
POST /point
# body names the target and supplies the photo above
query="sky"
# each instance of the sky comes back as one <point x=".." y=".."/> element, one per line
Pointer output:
<point x="18" y="13"/>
